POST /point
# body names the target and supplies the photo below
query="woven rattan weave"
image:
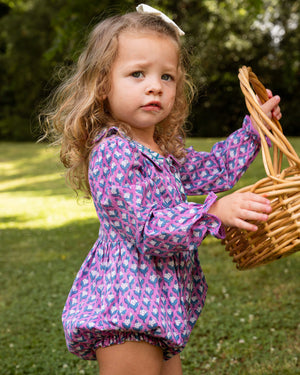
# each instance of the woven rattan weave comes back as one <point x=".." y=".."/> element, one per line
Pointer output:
<point x="280" y="235"/>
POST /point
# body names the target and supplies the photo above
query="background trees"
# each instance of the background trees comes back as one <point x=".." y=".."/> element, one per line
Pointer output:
<point x="39" y="36"/>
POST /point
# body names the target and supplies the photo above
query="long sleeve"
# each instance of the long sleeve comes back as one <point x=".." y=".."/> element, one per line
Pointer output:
<point x="134" y="204"/>
<point x="220" y="169"/>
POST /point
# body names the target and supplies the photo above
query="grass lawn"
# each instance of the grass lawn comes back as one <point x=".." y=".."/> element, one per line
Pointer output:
<point x="250" y="324"/>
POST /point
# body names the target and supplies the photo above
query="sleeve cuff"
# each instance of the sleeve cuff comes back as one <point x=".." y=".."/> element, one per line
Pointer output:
<point x="214" y="224"/>
<point x="209" y="224"/>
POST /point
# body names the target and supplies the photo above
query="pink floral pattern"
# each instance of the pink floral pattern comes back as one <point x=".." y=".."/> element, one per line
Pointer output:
<point x="142" y="279"/>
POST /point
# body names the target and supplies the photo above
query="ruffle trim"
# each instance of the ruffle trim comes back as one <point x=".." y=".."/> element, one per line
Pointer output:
<point x="120" y="337"/>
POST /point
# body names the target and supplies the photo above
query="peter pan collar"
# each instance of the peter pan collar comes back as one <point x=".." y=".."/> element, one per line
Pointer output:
<point x="154" y="156"/>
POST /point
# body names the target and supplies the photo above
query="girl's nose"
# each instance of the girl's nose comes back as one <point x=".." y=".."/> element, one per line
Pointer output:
<point x="154" y="87"/>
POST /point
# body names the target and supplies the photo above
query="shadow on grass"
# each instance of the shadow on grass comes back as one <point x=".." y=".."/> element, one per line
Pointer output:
<point x="31" y="158"/>
<point x="31" y="167"/>
<point x="53" y="186"/>
<point x="13" y="219"/>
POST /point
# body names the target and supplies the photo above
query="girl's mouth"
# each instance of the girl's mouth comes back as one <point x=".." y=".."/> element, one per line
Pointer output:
<point x="152" y="106"/>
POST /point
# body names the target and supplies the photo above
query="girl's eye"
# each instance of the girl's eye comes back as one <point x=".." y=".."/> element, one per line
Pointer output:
<point x="137" y="74"/>
<point x="167" y="77"/>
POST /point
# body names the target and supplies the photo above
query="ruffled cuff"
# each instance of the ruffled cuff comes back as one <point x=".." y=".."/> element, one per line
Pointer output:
<point x="248" y="126"/>
<point x="215" y="226"/>
<point x="207" y="223"/>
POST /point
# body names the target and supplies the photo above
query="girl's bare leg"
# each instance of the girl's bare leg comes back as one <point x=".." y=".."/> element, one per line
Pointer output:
<point x="172" y="366"/>
<point x="131" y="358"/>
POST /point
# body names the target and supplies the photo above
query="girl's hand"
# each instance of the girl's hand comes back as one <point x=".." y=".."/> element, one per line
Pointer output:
<point x="271" y="108"/>
<point x="236" y="208"/>
<point x="275" y="111"/>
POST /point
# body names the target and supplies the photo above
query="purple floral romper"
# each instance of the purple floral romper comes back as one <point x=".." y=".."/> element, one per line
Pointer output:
<point x="142" y="280"/>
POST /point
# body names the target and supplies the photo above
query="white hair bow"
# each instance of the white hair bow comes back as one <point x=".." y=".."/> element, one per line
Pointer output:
<point x="143" y="8"/>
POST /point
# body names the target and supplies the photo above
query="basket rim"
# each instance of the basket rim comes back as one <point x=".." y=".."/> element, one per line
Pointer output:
<point x="253" y="89"/>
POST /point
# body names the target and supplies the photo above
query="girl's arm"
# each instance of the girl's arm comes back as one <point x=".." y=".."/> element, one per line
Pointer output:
<point x="133" y="208"/>
<point x="220" y="169"/>
<point x="237" y="209"/>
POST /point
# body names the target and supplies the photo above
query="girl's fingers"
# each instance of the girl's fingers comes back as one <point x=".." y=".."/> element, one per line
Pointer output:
<point x="256" y="202"/>
<point x="257" y="197"/>
<point x="277" y="113"/>
<point x="270" y="94"/>
<point x="258" y="207"/>
<point x="253" y="215"/>
<point x="254" y="207"/>
<point x="271" y="104"/>
<point x="245" y="225"/>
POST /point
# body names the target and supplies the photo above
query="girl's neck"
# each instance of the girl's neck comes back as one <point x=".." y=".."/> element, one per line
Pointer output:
<point x="151" y="144"/>
<point x="146" y="139"/>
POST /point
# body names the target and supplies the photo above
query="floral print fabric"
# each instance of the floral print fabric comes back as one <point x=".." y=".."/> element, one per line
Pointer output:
<point x="142" y="279"/>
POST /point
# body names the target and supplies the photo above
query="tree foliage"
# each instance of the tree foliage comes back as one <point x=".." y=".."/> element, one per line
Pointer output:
<point x="37" y="37"/>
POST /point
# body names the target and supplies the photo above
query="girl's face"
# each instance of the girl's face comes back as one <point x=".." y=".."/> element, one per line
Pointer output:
<point x="143" y="80"/>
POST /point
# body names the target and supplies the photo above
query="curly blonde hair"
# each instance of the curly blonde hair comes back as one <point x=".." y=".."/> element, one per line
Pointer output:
<point x="77" y="111"/>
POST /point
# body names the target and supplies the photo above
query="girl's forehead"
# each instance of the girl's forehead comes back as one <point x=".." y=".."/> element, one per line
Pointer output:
<point x="147" y="40"/>
<point x="146" y="34"/>
<point x="147" y="47"/>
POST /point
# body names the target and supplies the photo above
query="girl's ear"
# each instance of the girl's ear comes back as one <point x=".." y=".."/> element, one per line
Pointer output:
<point x="102" y="98"/>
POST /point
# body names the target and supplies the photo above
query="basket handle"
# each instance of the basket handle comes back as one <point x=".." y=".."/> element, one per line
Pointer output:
<point x="253" y="88"/>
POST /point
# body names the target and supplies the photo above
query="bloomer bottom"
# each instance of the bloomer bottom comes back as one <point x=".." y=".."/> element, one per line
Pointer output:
<point x="120" y="337"/>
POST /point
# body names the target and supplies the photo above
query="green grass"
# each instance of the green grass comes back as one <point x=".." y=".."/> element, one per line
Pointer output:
<point x="250" y="323"/>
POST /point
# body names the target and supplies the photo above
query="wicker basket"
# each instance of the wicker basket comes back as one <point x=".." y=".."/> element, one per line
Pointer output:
<point x="280" y="235"/>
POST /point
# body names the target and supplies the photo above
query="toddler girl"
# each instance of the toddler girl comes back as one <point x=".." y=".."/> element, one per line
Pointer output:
<point x="120" y="119"/>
